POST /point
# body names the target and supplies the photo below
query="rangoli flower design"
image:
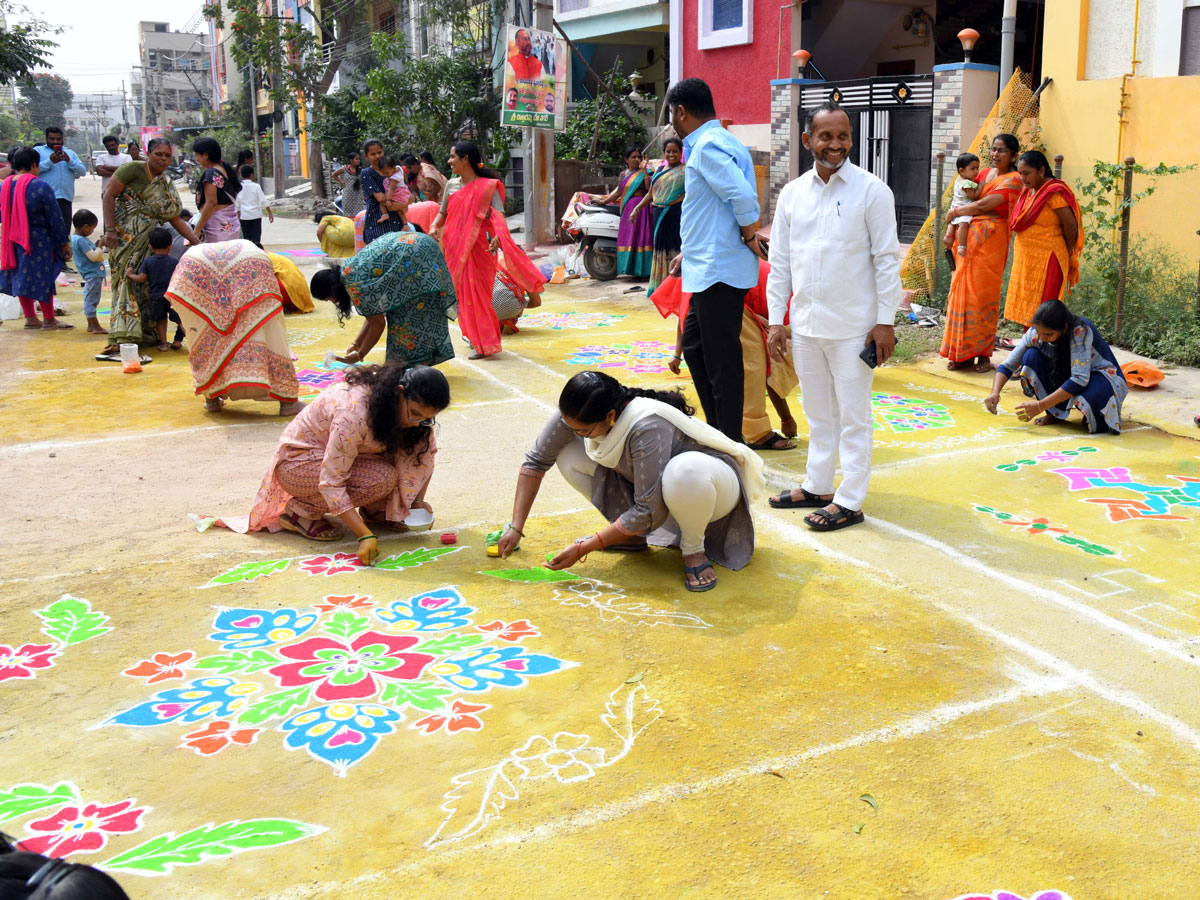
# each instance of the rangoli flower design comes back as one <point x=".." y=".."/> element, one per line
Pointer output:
<point x="568" y="757"/>
<point x="338" y="677"/>
<point x="907" y="414"/>
<point x="335" y="564"/>
<point x="75" y="829"/>
<point x="21" y="661"/>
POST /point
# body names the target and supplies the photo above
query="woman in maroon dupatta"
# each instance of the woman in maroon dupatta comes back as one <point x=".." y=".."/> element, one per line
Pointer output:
<point x="473" y="230"/>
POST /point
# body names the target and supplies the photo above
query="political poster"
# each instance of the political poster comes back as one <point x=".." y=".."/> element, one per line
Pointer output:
<point x="535" y="79"/>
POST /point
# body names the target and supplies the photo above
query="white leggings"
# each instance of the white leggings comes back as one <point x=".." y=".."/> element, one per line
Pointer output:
<point x="698" y="489"/>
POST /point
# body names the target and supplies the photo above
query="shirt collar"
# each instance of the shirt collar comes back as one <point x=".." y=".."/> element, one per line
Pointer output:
<point x="690" y="141"/>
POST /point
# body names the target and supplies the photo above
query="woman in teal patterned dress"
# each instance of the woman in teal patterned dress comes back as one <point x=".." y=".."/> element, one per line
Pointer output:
<point x="399" y="283"/>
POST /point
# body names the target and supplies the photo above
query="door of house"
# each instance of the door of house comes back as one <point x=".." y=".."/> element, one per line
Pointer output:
<point x="891" y="120"/>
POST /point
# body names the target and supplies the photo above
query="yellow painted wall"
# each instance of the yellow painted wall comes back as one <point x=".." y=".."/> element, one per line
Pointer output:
<point x="1079" y="120"/>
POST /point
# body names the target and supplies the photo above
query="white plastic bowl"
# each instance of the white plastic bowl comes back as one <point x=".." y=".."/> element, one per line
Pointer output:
<point x="419" y="520"/>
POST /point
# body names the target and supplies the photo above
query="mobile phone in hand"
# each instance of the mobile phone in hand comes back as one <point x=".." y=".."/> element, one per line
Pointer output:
<point x="870" y="355"/>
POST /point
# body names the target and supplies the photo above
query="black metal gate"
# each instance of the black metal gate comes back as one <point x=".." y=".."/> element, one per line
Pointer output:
<point x="892" y="123"/>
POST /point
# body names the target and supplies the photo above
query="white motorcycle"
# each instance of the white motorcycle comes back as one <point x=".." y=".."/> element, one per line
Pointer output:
<point x="596" y="231"/>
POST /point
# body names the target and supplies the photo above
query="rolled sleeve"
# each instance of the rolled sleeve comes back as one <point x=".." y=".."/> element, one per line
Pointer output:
<point x="885" y="252"/>
<point x="726" y="179"/>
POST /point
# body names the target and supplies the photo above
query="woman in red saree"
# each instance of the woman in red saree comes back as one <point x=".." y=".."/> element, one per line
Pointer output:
<point x="1047" y="240"/>
<point x="472" y="230"/>
<point x="973" y="306"/>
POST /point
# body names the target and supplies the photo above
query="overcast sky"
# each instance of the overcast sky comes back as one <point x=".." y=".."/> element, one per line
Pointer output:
<point x="100" y="45"/>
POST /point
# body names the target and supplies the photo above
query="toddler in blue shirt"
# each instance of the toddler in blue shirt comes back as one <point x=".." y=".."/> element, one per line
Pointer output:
<point x="155" y="272"/>
<point x="89" y="263"/>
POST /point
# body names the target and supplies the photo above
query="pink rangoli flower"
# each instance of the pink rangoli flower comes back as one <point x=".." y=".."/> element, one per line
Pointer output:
<point x="334" y="564"/>
<point x="74" y="830"/>
<point x="459" y="718"/>
<point x="160" y="667"/>
<point x="217" y="736"/>
<point x="20" y="662"/>
<point x="513" y="631"/>
<point x="348" y="672"/>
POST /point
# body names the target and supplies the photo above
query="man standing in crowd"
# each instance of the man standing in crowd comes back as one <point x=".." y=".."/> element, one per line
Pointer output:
<point x="59" y="169"/>
<point x="834" y="249"/>
<point x="111" y="160"/>
<point x="719" y="257"/>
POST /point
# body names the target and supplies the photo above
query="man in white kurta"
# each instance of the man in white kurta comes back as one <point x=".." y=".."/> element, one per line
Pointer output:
<point x="835" y="251"/>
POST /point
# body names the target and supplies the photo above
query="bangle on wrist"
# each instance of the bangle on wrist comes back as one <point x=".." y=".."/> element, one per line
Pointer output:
<point x="600" y="542"/>
<point x="516" y="529"/>
<point x="367" y="537"/>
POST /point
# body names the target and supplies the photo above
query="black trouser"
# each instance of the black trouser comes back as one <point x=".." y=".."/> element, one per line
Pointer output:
<point x="712" y="348"/>
<point x="252" y="231"/>
<point x="64" y="207"/>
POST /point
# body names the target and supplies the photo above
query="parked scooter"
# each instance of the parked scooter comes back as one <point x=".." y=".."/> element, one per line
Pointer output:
<point x="596" y="230"/>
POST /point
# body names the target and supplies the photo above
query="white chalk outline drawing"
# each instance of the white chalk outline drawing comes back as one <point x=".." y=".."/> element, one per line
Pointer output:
<point x="566" y="757"/>
<point x="587" y="594"/>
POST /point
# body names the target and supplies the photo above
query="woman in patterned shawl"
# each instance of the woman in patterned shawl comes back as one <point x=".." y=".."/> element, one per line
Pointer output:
<point x="400" y="283"/>
<point x="139" y="198"/>
<point x="228" y="298"/>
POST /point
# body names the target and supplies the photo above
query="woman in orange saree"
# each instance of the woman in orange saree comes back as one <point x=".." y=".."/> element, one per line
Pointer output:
<point x="1047" y="240"/>
<point x="474" y="229"/>
<point x="973" y="306"/>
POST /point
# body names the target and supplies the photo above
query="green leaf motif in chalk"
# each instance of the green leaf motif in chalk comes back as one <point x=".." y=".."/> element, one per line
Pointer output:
<point x="426" y="695"/>
<point x="450" y="643"/>
<point x="249" y="571"/>
<point x="70" y="620"/>
<point x="410" y="559"/>
<point x="345" y="624"/>
<point x="531" y="576"/>
<point x="273" y="705"/>
<point x="239" y="661"/>
<point x="30" y="798"/>
<point x="161" y="854"/>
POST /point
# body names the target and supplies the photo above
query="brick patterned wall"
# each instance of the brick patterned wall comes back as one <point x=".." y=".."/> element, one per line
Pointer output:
<point x="783" y="105"/>
<point x="947" y="126"/>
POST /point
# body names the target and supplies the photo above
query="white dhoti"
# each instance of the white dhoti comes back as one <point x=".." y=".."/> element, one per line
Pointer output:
<point x="836" y="392"/>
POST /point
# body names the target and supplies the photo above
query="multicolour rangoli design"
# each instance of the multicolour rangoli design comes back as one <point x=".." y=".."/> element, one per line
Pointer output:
<point x="563" y="320"/>
<point x="65" y="622"/>
<point x="314" y="381"/>
<point x="638" y="357"/>
<point x="1049" y="456"/>
<point x="1040" y="525"/>
<point x="906" y="414"/>
<point x="479" y="796"/>
<point x="1156" y="501"/>
<point x="68" y="826"/>
<point x="339" y="675"/>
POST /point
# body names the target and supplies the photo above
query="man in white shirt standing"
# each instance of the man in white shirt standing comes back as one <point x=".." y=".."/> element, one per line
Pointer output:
<point x="111" y="160"/>
<point x="834" y="249"/>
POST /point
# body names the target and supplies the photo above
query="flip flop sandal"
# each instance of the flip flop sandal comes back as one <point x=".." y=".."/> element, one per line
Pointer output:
<point x="696" y="570"/>
<point x="116" y="357"/>
<point x="809" y="501"/>
<point x="54" y="325"/>
<point x="1005" y="344"/>
<point x="772" y="442"/>
<point x="843" y="518"/>
<point x="291" y="522"/>
<point x="33" y="323"/>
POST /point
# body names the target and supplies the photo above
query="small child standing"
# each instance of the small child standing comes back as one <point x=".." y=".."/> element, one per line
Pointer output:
<point x="251" y="202"/>
<point x="395" y="188"/>
<point x="156" y="271"/>
<point x="966" y="189"/>
<point x="179" y="244"/>
<point x="89" y="262"/>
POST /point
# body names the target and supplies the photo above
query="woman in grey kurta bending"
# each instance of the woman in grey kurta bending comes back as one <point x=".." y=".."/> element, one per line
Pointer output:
<point x="658" y="475"/>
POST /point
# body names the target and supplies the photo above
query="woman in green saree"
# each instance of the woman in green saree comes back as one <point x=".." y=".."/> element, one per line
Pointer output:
<point x="139" y="198"/>
<point x="635" y="237"/>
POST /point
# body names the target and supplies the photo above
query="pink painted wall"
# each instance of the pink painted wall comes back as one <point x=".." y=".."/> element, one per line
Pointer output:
<point x="740" y="77"/>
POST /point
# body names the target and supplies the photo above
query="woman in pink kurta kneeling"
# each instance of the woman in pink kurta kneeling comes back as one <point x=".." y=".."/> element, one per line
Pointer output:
<point x="362" y="452"/>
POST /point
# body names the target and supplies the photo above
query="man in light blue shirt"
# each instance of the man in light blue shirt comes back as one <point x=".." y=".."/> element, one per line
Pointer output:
<point x="59" y="169"/>
<point x="719" y="257"/>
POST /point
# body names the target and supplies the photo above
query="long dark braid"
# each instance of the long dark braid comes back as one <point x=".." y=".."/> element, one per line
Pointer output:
<point x="590" y="396"/>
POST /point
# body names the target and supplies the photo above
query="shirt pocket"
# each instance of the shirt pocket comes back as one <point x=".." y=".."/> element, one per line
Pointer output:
<point x="850" y="225"/>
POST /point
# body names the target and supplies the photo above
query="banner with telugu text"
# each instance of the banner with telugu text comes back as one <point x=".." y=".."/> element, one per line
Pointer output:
<point x="535" y="79"/>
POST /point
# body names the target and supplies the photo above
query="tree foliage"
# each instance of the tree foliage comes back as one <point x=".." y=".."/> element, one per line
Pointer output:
<point x="24" y="45"/>
<point x="431" y="101"/>
<point x="335" y="123"/>
<point x="616" y="131"/>
<point x="45" y="98"/>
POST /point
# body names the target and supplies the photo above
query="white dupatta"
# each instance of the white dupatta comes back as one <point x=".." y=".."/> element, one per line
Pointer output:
<point x="607" y="450"/>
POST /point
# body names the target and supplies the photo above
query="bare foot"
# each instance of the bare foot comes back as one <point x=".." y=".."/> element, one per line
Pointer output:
<point x="52" y="324"/>
<point x="164" y="347"/>
<point x="291" y="409"/>
<point x="214" y="404"/>
<point x="1048" y="420"/>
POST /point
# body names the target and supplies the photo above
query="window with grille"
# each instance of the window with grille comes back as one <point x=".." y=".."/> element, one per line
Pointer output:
<point x="387" y="22"/>
<point x="726" y="14"/>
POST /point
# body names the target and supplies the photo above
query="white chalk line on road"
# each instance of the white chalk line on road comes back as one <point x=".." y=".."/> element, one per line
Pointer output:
<point x="118" y="438"/>
<point x="1030" y="687"/>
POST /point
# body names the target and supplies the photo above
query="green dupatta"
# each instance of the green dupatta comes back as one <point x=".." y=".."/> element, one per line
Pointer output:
<point x="668" y="186"/>
<point x="136" y="216"/>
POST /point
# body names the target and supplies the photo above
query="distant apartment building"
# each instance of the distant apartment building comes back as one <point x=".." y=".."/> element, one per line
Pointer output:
<point x="175" y="86"/>
<point x="94" y="114"/>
